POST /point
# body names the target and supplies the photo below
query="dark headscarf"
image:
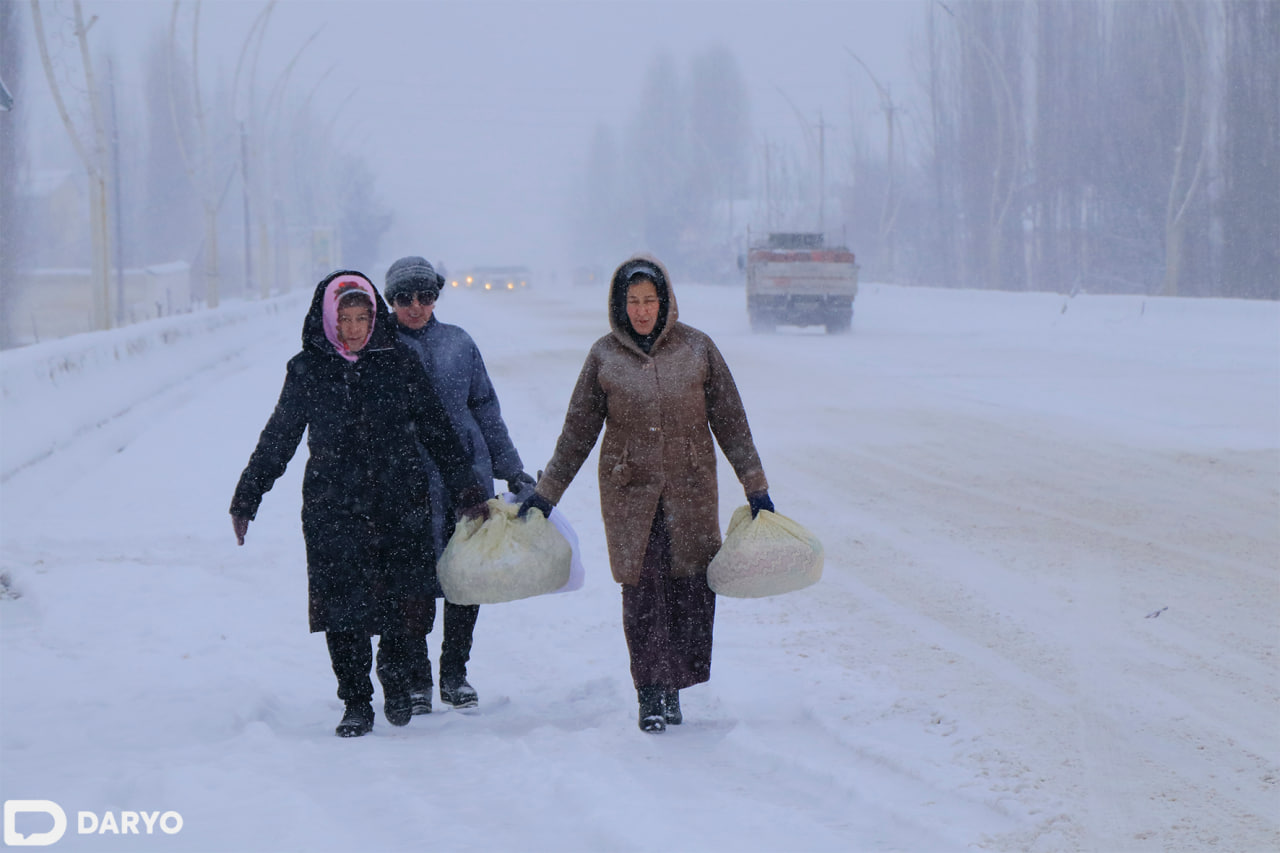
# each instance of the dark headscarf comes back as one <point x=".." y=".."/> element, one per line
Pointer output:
<point x="634" y="270"/>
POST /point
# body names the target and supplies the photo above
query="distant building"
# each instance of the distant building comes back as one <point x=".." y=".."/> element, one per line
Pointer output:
<point x="55" y="204"/>
<point x="52" y="294"/>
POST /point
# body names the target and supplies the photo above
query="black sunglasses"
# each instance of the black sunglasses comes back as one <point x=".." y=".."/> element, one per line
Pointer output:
<point x="424" y="297"/>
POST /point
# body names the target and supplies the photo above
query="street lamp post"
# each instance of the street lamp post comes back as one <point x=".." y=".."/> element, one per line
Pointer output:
<point x="244" y="179"/>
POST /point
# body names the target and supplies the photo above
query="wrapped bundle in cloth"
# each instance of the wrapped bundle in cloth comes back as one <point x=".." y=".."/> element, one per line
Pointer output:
<point x="577" y="574"/>
<point x="767" y="555"/>
<point x="503" y="558"/>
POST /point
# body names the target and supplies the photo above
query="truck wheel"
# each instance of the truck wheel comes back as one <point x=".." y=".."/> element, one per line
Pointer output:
<point x="761" y="322"/>
<point x="840" y="321"/>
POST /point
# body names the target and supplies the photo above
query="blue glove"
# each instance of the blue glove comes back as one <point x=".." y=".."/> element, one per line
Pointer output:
<point x="534" y="501"/>
<point x="521" y="485"/>
<point x="759" y="502"/>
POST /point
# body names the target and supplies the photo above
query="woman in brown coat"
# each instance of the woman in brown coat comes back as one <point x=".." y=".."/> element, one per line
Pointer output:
<point x="661" y="390"/>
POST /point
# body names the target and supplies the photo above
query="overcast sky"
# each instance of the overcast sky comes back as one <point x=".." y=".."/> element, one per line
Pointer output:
<point x="475" y="114"/>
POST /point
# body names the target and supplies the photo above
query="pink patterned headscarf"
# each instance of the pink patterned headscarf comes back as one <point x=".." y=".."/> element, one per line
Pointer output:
<point x="333" y="292"/>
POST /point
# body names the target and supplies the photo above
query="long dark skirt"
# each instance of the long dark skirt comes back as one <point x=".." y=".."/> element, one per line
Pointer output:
<point x="667" y="621"/>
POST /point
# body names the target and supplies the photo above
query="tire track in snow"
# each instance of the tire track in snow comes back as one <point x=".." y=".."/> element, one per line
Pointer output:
<point x="1043" y="655"/>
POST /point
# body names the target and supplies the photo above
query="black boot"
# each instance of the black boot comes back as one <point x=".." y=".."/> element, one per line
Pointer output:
<point x="357" y="720"/>
<point x="394" y="660"/>
<point x="455" y="651"/>
<point x="671" y="708"/>
<point x="420" y="677"/>
<point x="397" y="708"/>
<point x="651" y="709"/>
<point x="458" y="692"/>
<point x="351" y="654"/>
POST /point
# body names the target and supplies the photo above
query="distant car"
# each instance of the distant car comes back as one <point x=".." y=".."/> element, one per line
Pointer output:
<point x="492" y="278"/>
<point x="588" y="276"/>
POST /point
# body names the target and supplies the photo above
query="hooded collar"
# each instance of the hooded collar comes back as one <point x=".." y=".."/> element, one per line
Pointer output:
<point x="667" y="311"/>
<point x="320" y="328"/>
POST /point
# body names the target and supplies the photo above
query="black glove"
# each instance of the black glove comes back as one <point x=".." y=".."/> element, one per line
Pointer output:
<point x="521" y="485"/>
<point x="759" y="502"/>
<point x="534" y="501"/>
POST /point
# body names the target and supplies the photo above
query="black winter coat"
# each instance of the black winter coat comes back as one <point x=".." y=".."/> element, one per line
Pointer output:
<point x="365" y="514"/>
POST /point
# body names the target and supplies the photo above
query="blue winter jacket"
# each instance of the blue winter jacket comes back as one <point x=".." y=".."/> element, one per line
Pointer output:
<point x="453" y="362"/>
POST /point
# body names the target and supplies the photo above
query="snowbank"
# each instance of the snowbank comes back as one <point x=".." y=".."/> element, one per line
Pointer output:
<point x="36" y="382"/>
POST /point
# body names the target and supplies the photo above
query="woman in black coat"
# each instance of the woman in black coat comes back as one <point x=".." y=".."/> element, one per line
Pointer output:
<point x="365" y="403"/>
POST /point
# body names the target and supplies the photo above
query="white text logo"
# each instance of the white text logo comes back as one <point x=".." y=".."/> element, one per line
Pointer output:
<point x="87" y="823"/>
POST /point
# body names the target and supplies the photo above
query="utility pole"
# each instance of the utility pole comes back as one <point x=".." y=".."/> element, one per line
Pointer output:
<point x="889" y="210"/>
<point x="256" y="31"/>
<point x="94" y="160"/>
<point x="768" y="187"/>
<point x="98" y="181"/>
<point x="201" y="173"/>
<point x="119" y="190"/>
<point x="244" y="182"/>
<point x="822" y="178"/>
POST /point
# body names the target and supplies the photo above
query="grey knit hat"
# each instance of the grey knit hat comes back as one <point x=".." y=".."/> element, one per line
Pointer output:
<point x="410" y="274"/>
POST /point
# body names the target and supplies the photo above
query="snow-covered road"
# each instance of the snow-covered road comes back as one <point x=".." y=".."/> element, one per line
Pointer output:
<point x="1008" y="487"/>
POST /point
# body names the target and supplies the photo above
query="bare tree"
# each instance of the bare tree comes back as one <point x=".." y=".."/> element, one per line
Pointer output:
<point x="989" y="133"/>
<point x="1190" y="148"/>
<point x="720" y="116"/>
<point x="889" y="208"/>
<point x="11" y="150"/>
<point x="1123" y="146"/>
<point x="244" y="117"/>
<point x="946" y="257"/>
<point x="1250" y="205"/>
<point x="657" y="152"/>
<point x="599" y="228"/>
<point x="201" y="163"/>
<point x="93" y="157"/>
<point x="172" y="224"/>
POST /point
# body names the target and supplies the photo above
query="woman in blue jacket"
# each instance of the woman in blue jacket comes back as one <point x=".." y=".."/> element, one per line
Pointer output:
<point x="452" y="360"/>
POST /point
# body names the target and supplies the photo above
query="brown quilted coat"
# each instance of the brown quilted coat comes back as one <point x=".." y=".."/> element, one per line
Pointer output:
<point x="659" y="412"/>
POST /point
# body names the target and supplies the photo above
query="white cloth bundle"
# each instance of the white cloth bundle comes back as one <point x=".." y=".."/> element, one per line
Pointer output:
<point x="767" y="555"/>
<point x="503" y="558"/>
<point x="577" y="574"/>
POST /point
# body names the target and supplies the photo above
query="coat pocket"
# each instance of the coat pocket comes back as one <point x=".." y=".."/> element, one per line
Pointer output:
<point x="702" y="453"/>
<point x="620" y="470"/>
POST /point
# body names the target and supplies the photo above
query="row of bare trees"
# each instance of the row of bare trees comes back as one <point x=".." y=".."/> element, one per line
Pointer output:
<point x="1106" y="146"/>
<point x="184" y="168"/>
<point x="664" y="180"/>
<point x="1053" y="145"/>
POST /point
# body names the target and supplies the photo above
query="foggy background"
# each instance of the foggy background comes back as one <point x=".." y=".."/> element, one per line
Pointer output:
<point x="230" y="149"/>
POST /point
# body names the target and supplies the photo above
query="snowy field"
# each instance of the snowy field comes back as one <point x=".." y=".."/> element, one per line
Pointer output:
<point x="1008" y="492"/>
